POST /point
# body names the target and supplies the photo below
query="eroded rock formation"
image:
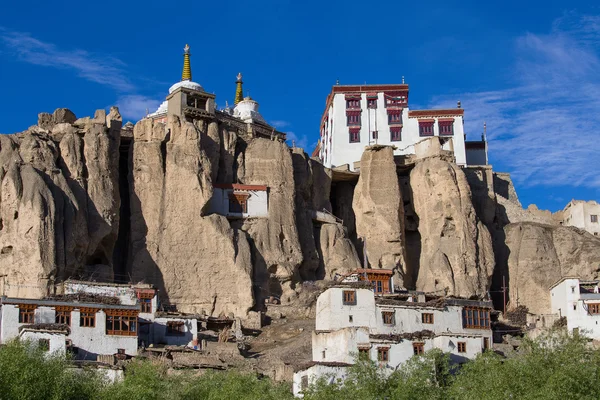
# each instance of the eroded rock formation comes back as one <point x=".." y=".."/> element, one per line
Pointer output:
<point x="456" y="254"/>
<point x="59" y="207"/>
<point x="539" y="255"/>
<point x="378" y="209"/>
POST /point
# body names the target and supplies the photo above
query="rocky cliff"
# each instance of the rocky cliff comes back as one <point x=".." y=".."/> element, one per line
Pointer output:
<point x="456" y="254"/>
<point x="59" y="201"/>
<point x="539" y="255"/>
<point x="84" y="198"/>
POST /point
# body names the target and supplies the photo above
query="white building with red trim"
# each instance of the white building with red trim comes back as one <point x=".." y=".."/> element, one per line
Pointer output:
<point x="352" y="320"/>
<point x="235" y="200"/>
<point x="357" y="116"/>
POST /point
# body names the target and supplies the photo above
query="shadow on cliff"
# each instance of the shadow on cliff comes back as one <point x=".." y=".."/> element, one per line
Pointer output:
<point x="141" y="265"/>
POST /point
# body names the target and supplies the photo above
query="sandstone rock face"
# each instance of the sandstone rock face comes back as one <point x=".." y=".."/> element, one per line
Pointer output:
<point x="378" y="208"/>
<point x="337" y="252"/>
<point x="277" y="251"/>
<point x="59" y="207"/>
<point x="456" y="252"/>
<point x="200" y="262"/>
<point x="539" y="255"/>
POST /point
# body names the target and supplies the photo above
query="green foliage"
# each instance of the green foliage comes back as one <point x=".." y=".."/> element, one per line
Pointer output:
<point x="554" y="366"/>
<point x="29" y="373"/>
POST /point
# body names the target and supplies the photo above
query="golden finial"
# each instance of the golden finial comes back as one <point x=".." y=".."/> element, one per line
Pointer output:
<point x="186" y="75"/>
<point x="239" y="94"/>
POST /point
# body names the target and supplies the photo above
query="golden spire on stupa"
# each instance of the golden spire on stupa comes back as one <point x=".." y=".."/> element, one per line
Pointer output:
<point x="239" y="94"/>
<point x="186" y="75"/>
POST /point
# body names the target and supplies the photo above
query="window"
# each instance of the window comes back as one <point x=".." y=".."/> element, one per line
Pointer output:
<point x="353" y="103"/>
<point x="44" y="344"/>
<point x="418" y="348"/>
<point x="304" y="382"/>
<point x="395" y="133"/>
<point x="175" y="328"/>
<point x="375" y="135"/>
<point x="372" y="101"/>
<point x="388" y="317"/>
<point x="354" y="135"/>
<point x="594" y="308"/>
<point x="323" y="354"/>
<point x="574" y="306"/>
<point x="378" y="286"/>
<point x="594" y="218"/>
<point x="395" y="118"/>
<point x="353" y="118"/>
<point x="395" y="99"/>
<point x="238" y="202"/>
<point x="350" y="318"/>
<point x="87" y="317"/>
<point x="121" y="322"/>
<point x="146" y="305"/>
<point x="363" y="353"/>
<point x="426" y="128"/>
<point x="462" y="347"/>
<point x="476" y="318"/>
<point x="427" y="318"/>
<point x="446" y="126"/>
<point x="486" y="343"/>
<point x="63" y="316"/>
<point x="383" y="354"/>
<point x="349" y="297"/>
<point x="26" y="313"/>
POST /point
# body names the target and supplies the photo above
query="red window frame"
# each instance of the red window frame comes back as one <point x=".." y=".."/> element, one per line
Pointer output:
<point x="426" y="128"/>
<point x="446" y="127"/>
<point x="372" y="101"/>
<point x="395" y="99"/>
<point x="395" y="133"/>
<point x="354" y="135"/>
<point x="353" y="118"/>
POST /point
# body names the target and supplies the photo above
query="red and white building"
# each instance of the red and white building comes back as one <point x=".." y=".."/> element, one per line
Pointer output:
<point x="357" y="116"/>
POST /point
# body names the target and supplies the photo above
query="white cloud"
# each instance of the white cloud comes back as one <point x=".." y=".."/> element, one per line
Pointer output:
<point x="104" y="70"/>
<point x="298" y="141"/>
<point x="134" y="106"/>
<point x="279" y="124"/>
<point x="544" y="129"/>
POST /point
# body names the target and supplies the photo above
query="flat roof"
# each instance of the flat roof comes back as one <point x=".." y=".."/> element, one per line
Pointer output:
<point x="564" y="278"/>
<point x="50" y="303"/>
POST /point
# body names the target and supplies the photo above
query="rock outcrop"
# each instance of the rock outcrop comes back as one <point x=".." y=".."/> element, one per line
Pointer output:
<point x="456" y="254"/>
<point x="378" y="209"/>
<point x="200" y="263"/>
<point x="60" y="201"/>
<point x="539" y="255"/>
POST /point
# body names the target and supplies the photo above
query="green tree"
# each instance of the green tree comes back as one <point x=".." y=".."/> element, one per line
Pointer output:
<point x="29" y="373"/>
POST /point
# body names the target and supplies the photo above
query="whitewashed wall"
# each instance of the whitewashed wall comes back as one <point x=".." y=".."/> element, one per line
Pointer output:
<point x="90" y="340"/>
<point x="159" y="331"/>
<point x="56" y="340"/>
<point x="313" y="373"/>
<point x="343" y="152"/>
<point x="332" y="314"/>
<point x="567" y="301"/>
<point x="257" y="206"/>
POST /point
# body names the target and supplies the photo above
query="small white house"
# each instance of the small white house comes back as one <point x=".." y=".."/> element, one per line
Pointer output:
<point x="49" y="337"/>
<point x="391" y="329"/>
<point x="94" y="328"/>
<point x="583" y="214"/>
<point x="579" y="302"/>
<point x="240" y="201"/>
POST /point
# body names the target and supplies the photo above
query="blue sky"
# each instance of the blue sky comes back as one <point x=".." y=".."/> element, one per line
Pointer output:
<point x="530" y="69"/>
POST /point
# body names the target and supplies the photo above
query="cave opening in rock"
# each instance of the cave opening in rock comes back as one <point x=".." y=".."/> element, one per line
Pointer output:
<point x="120" y="253"/>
